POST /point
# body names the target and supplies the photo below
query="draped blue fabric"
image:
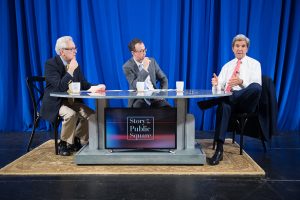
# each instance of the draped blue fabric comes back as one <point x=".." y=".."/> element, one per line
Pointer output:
<point x="190" y="40"/>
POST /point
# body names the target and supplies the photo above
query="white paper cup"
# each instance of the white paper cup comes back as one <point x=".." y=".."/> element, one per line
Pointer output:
<point x="74" y="87"/>
<point x="140" y="86"/>
<point x="179" y="93"/>
<point x="179" y="85"/>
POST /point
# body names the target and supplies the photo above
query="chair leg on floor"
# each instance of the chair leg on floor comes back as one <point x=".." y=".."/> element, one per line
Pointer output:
<point x="36" y="121"/>
<point x="55" y="125"/>
<point x="243" y="124"/>
<point x="261" y="137"/>
<point x="264" y="145"/>
<point x="233" y="136"/>
<point x="241" y="144"/>
<point x="237" y="127"/>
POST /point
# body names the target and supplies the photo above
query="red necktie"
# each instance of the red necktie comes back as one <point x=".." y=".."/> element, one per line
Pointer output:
<point x="235" y="71"/>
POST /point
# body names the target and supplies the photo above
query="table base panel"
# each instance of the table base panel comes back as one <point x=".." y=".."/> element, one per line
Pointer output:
<point x="177" y="157"/>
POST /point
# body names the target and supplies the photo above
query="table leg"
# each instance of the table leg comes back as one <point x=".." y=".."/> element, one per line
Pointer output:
<point x="101" y="105"/>
<point x="93" y="132"/>
<point x="181" y="105"/>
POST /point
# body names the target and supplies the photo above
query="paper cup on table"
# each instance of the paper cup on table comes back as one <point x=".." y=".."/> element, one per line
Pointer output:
<point x="179" y="93"/>
<point x="179" y="86"/>
<point x="74" y="87"/>
<point x="140" y="86"/>
<point x="140" y="93"/>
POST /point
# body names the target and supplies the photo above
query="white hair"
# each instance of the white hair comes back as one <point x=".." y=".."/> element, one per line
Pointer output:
<point x="62" y="43"/>
<point x="241" y="37"/>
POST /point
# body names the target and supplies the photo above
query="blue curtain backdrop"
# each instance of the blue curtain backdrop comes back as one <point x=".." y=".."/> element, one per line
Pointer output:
<point x="190" y="39"/>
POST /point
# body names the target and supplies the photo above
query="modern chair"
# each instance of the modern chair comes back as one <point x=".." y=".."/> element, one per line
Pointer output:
<point x="259" y="124"/>
<point x="239" y="122"/>
<point x="35" y="85"/>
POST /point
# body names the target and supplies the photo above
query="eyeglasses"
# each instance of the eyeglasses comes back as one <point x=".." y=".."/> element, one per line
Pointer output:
<point x="71" y="49"/>
<point x="141" y="51"/>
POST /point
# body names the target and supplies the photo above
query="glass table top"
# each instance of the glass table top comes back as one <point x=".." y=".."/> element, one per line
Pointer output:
<point x="131" y="94"/>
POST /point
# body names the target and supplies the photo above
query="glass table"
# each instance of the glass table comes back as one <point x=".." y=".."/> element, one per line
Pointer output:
<point x="187" y="151"/>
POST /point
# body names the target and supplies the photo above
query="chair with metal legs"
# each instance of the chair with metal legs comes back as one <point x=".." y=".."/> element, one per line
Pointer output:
<point x="260" y="124"/>
<point x="238" y="123"/>
<point x="35" y="85"/>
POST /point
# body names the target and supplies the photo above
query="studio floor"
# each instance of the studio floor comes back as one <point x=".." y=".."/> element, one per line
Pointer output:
<point x="281" y="163"/>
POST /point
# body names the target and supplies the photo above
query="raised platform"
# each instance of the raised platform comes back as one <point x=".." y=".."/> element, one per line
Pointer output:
<point x="188" y="156"/>
<point x="43" y="161"/>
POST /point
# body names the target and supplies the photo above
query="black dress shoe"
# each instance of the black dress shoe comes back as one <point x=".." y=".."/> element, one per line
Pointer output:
<point x="76" y="146"/>
<point x="63" y="149"/>
<point x="216" y="158"/>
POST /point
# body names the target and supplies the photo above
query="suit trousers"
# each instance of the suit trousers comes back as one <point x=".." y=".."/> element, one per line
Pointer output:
<point x="75" y="121"/>
<point x="244" y="100"/>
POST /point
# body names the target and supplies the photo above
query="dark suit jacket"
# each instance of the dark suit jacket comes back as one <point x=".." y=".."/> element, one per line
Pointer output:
<point x="268" y="108"/>
<point x="133" y="75"/>
<point x="266" y="123"/>
<point x="57" y="80"/>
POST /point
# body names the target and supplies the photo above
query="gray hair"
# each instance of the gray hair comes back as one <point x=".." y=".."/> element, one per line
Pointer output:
<point x="62" y="43"/>
<point x="241" y="37"/>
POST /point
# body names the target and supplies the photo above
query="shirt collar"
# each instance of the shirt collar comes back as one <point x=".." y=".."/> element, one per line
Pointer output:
<point x="242" y="60"/>
<point x="138" y="64"/>
<point x="64" y="62"/>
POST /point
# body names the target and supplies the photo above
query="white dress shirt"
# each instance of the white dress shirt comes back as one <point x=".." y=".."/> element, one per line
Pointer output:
<point x="250" y="72"/>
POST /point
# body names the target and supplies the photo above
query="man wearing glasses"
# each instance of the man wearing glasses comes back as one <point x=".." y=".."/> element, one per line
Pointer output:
<point x="144" y="69"/>
<point x="60" y="71"/>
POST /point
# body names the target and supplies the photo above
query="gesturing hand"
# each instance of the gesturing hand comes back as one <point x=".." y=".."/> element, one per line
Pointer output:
<point x="72" y="66"/>
<point x="234" y="81"/>
<point x="214" y="80"/>
<point x="146" y="63"/>
<point x="97" y="88"/>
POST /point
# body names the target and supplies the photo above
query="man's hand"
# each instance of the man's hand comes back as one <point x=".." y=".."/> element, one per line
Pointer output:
<point x="72" y="66"/>
<point x="146" y="63"/>
<point x="234" y="81"/>
<point x="100" y="88"/>
<point x="97" y="89"/>
<point x="214" y="80"/>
